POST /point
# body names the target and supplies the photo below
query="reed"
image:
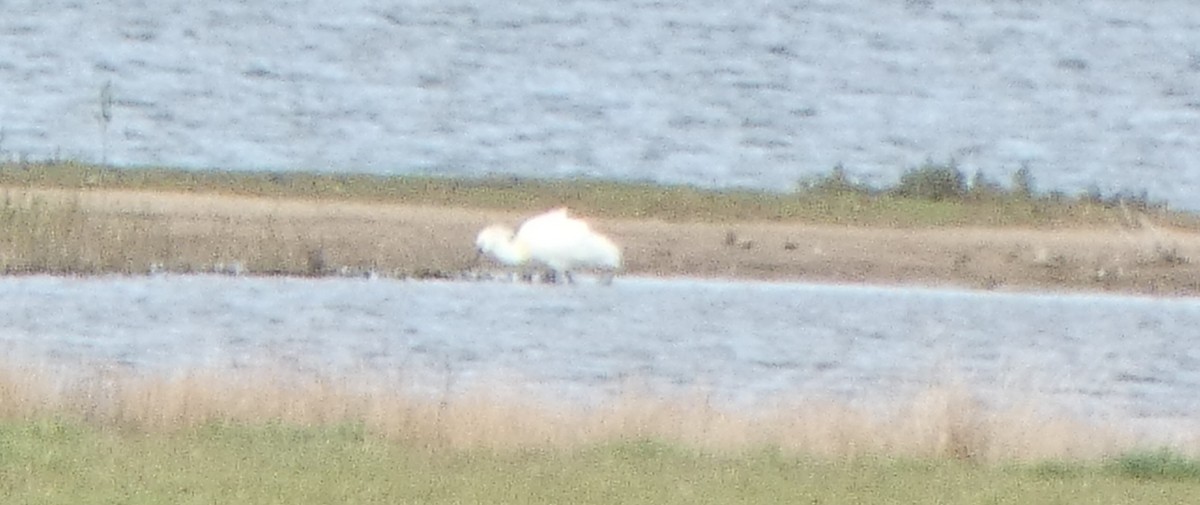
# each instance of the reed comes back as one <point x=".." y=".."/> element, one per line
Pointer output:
<point x="943" y="423"/>
<point x="64" y="233"/>
<point x="60" y="237"/>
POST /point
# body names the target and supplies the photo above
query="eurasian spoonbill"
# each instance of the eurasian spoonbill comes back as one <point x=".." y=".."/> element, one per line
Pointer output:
<point x="555" y="240"/>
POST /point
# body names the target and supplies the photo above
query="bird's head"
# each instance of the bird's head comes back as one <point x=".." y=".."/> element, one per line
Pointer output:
<point x="497" y="241"/>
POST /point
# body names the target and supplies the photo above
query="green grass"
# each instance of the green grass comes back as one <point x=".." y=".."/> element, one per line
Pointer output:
<point x="57" y="462"/>
<point x="1158" y="465"/>
<point x="818" y="202"/>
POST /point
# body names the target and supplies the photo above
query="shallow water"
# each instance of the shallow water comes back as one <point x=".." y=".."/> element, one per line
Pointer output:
<point x="754" y="93"/>
<point x="1109" y="358"/>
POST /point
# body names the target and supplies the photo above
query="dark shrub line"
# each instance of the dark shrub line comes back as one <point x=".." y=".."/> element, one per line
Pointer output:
<point x="934" y="181"/>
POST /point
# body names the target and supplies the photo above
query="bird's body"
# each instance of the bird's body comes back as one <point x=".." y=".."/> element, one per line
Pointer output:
<point x="554" y="240"/>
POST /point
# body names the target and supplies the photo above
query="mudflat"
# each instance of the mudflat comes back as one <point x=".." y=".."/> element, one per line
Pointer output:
<point x="1137" y="257"/>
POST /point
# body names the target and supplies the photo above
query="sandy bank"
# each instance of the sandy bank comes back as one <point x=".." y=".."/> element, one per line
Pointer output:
<point x="1143" y="258"/>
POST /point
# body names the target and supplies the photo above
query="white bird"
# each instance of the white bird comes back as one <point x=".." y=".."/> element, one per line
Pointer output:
<point x="554" y="240"/>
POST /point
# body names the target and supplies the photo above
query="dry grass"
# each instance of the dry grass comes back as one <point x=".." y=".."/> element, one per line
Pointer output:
<point x="66" y="231"/>
<point x="940" y="423"/>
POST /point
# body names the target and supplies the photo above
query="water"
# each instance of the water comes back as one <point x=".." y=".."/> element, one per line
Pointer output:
<point x="756" y="93"/>
<point x="1127" y="359"/>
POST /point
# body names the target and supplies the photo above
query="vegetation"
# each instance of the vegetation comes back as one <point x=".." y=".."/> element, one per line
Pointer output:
<point x="79" y="219"/>
<point x="1161" y="464"/>
<point x="269" y="438"/>
<point x="61" y="236"/>
<point x="930" y="195"/>
<point x="933" y="182"/>
<point x="55" y="462"/>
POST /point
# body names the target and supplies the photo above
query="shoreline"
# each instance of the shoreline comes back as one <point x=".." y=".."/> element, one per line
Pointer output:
<point x="289" y="236"/>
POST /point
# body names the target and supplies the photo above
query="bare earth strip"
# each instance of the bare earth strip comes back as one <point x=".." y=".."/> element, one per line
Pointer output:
<point x="1142" y="258"/>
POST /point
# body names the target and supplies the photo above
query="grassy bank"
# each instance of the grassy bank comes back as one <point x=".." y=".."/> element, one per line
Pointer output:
<point x="931" y="195"/>
<point x="269" y="438"/>
<point x="54" y="462"/>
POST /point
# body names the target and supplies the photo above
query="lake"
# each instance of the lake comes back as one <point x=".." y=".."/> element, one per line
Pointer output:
<point x="1125" y="360"/>
<point x="760" y="93"/>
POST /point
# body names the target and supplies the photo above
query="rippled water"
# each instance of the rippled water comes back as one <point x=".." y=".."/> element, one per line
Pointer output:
<point x="717" y="93"/>
<point x="1105" y="357"/>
